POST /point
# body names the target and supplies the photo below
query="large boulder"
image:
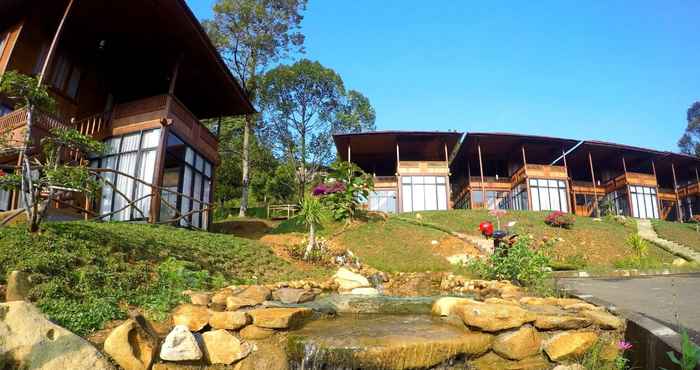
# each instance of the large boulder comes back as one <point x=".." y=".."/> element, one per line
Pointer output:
<point x="221" y="347"/>
<point x="493" y="317"/>
<point x="519" y="344"/>
<point x="234" y="303"/>
<point x="253" y="332"/>
<point x="19" y="285"/>
<point x="605" y="320"/>
<point x="569" y="345"/>
<point x="132" y="346"/>
<point x="280" y="318"/>
<point x="200" y="299"/>
<point x="268" y="355"/>
<point x="193" y="316"/>
<point x="348" y="280"/>
<point x="180" y="345"/>
<point x="561" y="322"/>
<point x="256" y="293"/>
<point x="292" y="296"/>
<point x="219" y="298"/>
<point x="443" y="306"/>
<point x="492" y="361"/>
<point x="228" y="320"/>
<point x="30" y="341"/>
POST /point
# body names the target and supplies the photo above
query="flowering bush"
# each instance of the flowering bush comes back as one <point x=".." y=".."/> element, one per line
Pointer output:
<point x="560" y="219"/>
<point x="330" y="188"/>
<point x="347" y="187"/>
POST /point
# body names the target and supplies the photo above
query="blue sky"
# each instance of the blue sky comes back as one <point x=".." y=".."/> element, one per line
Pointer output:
<point x="622" y="71"/>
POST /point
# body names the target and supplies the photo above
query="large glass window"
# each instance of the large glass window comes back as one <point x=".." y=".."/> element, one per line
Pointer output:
<point x="618" y="201"/>
<point x="644" y="202"/>
<point x="423" y="193"/>
<point x="134" y="156"/>
<point x="383" y="201"/>
<point x="518" y="195"/>
<point x="548" y="195"/>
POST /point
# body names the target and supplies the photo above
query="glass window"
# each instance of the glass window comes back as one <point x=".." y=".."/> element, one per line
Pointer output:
<point x="549" y="195"/>
<point x="3" y="42"/>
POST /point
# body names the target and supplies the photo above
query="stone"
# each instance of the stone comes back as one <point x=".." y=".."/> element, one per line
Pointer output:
<point x="443" y="305"/>
<point x="583" y="306"/>
<point x="234" y="303"/>
<point x="180" y="345"/>
<point x="293" y="296"/>
<point x="569" y="367"/>
<point x="519" y="344"/>
<point x="492" y="361"/>
<point x="365" y="291"/>
<point x="604" y="320"/>
<point x="253" y="332"/>
<point x="268" y="355"/>
<point x="561" y="322"/>
<point x="228" y="320"/>
<point x="18" y="286"/>
<point x="193" y="316"/>
<point x="28" y="340"/>
<point x="348" y="280"/>
<point x="493" y="317"/>
<point x="220" y="296"/>
<point x="200" y="299"/>
<point x="221" y="347"/>
<point x="569" y="345"/>
<point x="255" y="293"/>
<point x="280" y="318"/>
<point x="131" y="346"/>
<point x="501" y="301"/>
<point x="678" y="262"/>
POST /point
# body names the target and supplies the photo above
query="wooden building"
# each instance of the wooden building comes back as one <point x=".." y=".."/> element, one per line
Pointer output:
<point x="410" y="168"/>
<point x="139" y="75"/>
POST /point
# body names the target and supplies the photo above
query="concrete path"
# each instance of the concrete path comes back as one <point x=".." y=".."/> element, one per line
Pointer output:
<point x="665" y="299"/>
<point x="646" y="231"/>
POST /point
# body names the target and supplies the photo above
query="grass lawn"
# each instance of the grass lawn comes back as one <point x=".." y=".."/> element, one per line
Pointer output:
<point x="90" y="273"/>
<point x="590" y="243"/>
<point x="682" y="233"/>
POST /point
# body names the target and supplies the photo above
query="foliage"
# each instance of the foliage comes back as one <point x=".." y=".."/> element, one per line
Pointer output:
<point x="593" y="359"/>
<point x="636" y="263"/>
<point x="347" y="187"/>
<point x="689" y="143"/>
<point x="311" y="214"/>
<point x="521" y="263"/>
<point x="607" y="207"/>
<point x="682" y="233"/>
<point x="25" y="92"/>
<point x="639" y="246"/>
<point x="560" y="219"/>
<point x="303" y="105"/>
<point x="690" y="353"/>
<point x="89" y="272"/>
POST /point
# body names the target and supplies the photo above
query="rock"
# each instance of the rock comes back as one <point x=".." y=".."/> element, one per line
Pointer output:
<point x="193" y="316"/>
<point x="583" y="306"/>
<point x="677" y="262"/>
<point x="228" y="320"/>
<point x="253" y="332"/>
<point x="255" y="293"/>
<point x="200" y="299"/>
<point x="291" y="295"/>
<point x="561" y="322"/>
<point x="492" y="361"/>
<point x="268" y="355"/>
<point x="518" y="344"/>
<point x="365" y="291"/>
<point x="131" y="346"/>
<point x="493" y="317"/>
<point x="570" y="367"/>
<point x="28" y="340"/>
<point x="443" y="306"/>
<point x="568" y="345"/>
<point x="348" y="280"/>
<point x="604" y="320"/>
<point x="220" y="296"/>
<point x="221" y="347"/>
<point x="234" y="303"/>
<point x="280" y="318"/>
<point x="180" y="345"/>
<point x="18" y="286"/>
<point x="501" y="301"/>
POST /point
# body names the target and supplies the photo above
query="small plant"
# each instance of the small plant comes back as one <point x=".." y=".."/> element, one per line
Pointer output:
<point x="311" y="213"/>
<point x="344" y="190"/>
<point x="690" y="353"/>
<point x="595" y="358"/>
<point x="560" y="219"/>
<point x="639" y="246"/>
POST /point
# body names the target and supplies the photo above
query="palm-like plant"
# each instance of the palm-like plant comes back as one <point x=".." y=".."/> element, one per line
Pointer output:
<point x="311" y="213"/>
<point x="638" y="245"/>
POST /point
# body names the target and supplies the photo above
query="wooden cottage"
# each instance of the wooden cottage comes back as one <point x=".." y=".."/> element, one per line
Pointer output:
<point x="138" y="75"/>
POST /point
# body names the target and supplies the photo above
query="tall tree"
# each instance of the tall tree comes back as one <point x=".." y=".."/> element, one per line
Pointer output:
<point x="304" y="104"/>
<point x="251" y="35"/>
<point x="690" y="141"/>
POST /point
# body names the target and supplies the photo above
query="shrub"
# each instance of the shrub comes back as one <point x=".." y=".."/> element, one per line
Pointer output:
<point x="560" y="219"/>
<point x="639" y="246"/>
<point x="344" y="190"/>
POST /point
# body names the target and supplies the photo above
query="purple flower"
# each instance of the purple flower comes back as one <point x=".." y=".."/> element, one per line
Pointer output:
<point x="623" y="345"/>
<point x="326" y="189"/>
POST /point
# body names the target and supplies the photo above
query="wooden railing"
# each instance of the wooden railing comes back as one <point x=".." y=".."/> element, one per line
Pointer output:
<point x="423" y="167"/>
<point x="13" y="120"/>
<point x="94" y="126"/>
<point x="290" y="209"/>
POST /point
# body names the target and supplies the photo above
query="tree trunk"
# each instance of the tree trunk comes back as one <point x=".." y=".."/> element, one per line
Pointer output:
<point x="245" y="166"/>
<point x="29" y="195"/>
<point x="302" y="175"/>
<point x="312" y="241"/>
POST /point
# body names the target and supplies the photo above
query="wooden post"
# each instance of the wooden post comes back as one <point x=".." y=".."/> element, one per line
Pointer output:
<point x="399" y="193"/>
<point x="569" y="192"/>
<point x="54" y="42"/>
<point x="627" y="186"/>
<point x="481" y="172"/>
<point x="469" y="182"/>
<point x="697" y="176"/>
<point x="349" y="153"/>
<point x="595" y="191"/>
<point x="527" y="179"/>
<point x="154" y="213"/>
<point x="656" y="179"/>
<point x="679" y="213"/>
<point x="448" y="191"/>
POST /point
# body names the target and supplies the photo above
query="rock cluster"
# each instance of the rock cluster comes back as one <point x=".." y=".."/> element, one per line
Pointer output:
<point x="481" y="289"/>
<point x="532" y="332"/>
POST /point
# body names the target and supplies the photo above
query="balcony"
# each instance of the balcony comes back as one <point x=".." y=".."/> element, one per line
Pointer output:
<point x="385" y="182"/>
<point x="423" y="168"/>
<point x="689" y="190"/>
<point x="491" y="183"/>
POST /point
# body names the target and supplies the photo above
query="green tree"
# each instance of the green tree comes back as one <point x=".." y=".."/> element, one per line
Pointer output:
<point x="311" y="213"/>
<point x="690" y="141"/>
<point x="304" y="104"/>
<point x="251" y="35"/>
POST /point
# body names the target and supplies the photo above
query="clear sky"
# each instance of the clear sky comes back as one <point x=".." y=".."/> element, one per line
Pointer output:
<point x="621" y="71"/>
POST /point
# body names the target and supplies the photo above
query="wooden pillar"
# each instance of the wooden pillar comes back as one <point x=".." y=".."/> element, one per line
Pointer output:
<point x="349" y="153"/>
<point x="399" y="193"/>
<point x="154" y="213"/>
<point x="527" y="180"/>
<point x="54" y="42"/>
<point x="469" y="182"/>
<point x="658" y="201"/>
<point x="679" y="213"/>
<point x="697" y="176"/>
<point x="595" y="191"/>
<point x="448" y="189"/>
<point x="569" y="193"/>
<point x="481" y="173"/>
<point x="627" y="186"/>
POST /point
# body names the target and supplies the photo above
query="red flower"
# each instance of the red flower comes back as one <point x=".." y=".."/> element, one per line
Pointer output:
<point x="2" y="173"/>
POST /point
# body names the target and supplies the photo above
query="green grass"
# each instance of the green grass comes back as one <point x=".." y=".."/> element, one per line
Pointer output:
<point x="682" y="233"/>
<point x="328" y="228"/>
<point x="90" y="273"/>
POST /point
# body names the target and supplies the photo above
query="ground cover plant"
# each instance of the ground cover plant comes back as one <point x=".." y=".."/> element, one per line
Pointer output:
<point x="89" y="273"/>
<point x="682" y="233"/>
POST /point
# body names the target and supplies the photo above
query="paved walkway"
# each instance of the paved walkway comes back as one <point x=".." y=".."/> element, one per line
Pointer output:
<point x="666" y="299"/>
<point x="646" y="231"/>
